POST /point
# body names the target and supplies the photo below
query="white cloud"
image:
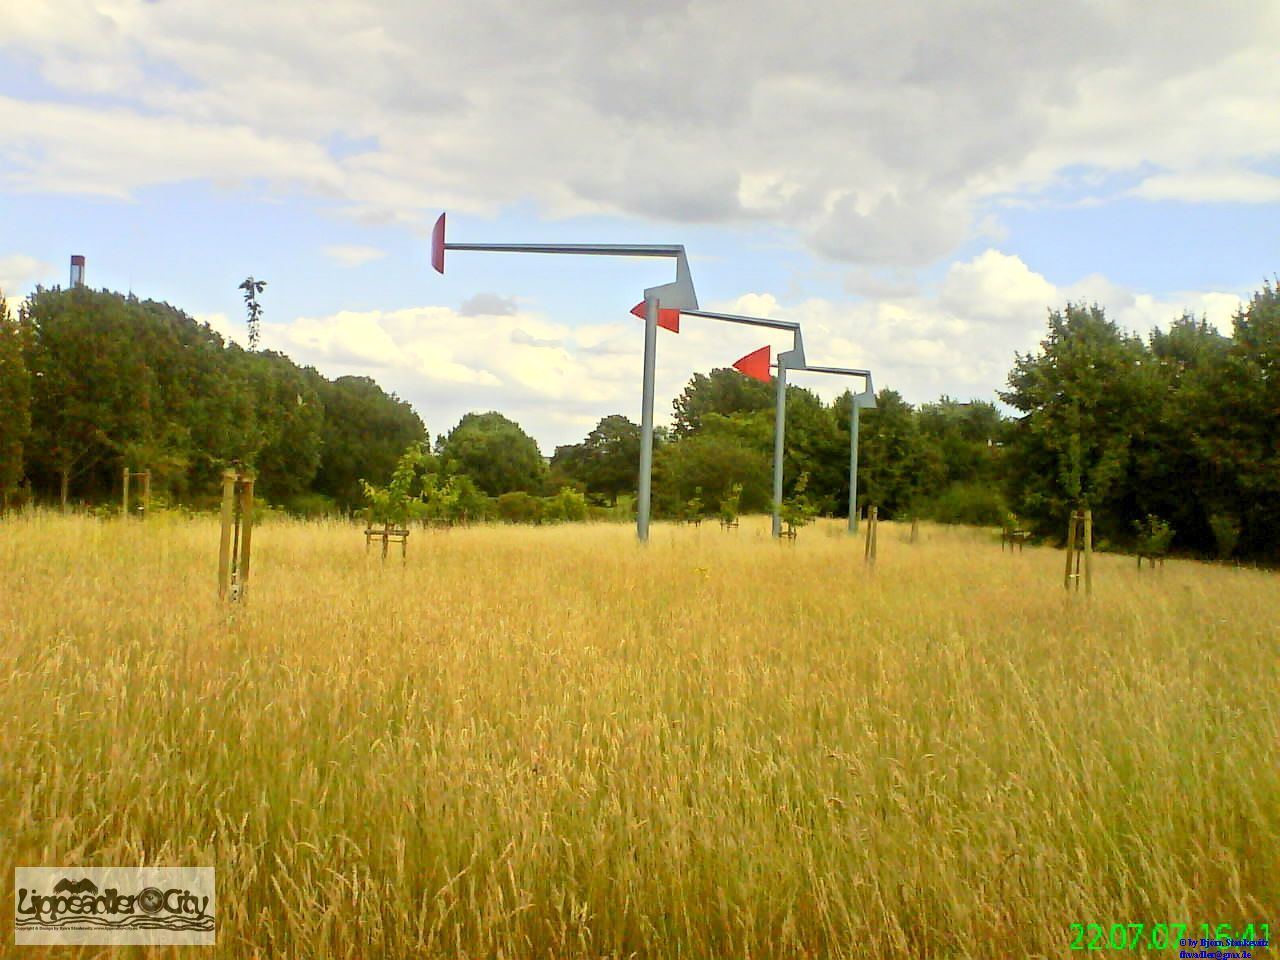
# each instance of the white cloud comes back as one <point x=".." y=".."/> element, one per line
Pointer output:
<point x="871" y="131"/>
<point x="18" y="272"/>
<point x="996" y="287"/>
<point x="1217" y="186"/>
<point x="353" y="255"/>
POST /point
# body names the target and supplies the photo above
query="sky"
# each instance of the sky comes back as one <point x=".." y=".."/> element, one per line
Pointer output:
<point x="916" y="183"/>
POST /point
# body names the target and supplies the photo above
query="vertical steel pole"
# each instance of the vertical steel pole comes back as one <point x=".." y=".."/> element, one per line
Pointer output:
<point x="779" y="434"/>
<point x="853" y="465"/>
<point x="643" y="497"/>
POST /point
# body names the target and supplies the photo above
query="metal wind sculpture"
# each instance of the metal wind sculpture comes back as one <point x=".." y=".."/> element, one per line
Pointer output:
<point x="866" y="400"/>
<point x="757" y="364"/>
<point x="678" y="295"/>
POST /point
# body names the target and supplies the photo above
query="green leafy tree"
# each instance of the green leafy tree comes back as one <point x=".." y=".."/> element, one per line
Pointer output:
<point x="607" y="462"/>
<point x="817" y="445"/>
<point x="15" y="404"/>
<point x="1086" y="395"/>
<point x="289" y="418"/>
<point x="798" y="510"/>
<point x="1231" y="416"/>
<point x="401" y="501"/>
<point x="712" y="463"/>
<point x="1153" y="536"/>
<point x="498" y="455"/>
<point x="363" y="433"/>
<point x="731" y="504"/>
<point x="92" y="391"/>
<point x="889" y="453"/>
<point x="725" y="391"/>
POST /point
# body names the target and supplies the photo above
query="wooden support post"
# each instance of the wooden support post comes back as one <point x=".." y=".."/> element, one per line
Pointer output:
<point x="146" y="493"/>
<point x="915" y="529"/>
<point x="246" y="535"/>
<point x="1071" y="550"/>
<point x="124" y="512"/>
<point x="869" y="552"/>
<point x="224" y="543"/>
<point x="1088" y="552"/>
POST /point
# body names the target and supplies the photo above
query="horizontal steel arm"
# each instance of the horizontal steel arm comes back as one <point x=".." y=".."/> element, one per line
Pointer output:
<point x="581" y="249"/>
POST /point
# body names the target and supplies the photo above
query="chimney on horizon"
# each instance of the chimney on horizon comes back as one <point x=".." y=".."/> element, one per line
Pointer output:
<point x="77" y="270"/>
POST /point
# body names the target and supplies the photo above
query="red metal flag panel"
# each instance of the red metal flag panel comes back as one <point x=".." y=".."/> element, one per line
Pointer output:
<point x="755" y="364"/>
<point x="667" y="319"/>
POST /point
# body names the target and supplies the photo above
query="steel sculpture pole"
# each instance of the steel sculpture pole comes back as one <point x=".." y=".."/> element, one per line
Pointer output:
<point x="794" y="359"/>
<point x="853" y="463"/>
<point x="644" y="491"/>
<point x="678" y="295"/>
<point x="858" y="400"/>
<point x="779" y="422"/>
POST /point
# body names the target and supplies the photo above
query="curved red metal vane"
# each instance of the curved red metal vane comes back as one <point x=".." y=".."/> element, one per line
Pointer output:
<point x="667" y="319"/>
<point x="755" y="364"/>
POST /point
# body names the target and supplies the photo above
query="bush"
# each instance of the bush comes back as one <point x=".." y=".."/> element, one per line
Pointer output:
<point x="519" y="507"/>
<point x="1154" y="536"/>
<point x="975" y="504"/>
<point x="1226" y="533"/>
<point x="567" y="505"/>
<point x="312" y="506"/>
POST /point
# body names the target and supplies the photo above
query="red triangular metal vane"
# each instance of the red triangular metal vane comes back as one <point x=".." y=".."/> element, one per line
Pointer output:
<point x="667" y="319"/>
<point x="437" y="245"/>
<point x="755" y="364"/>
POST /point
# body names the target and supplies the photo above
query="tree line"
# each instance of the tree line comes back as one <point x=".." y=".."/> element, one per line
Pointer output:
<point x="1181" y="428"/>
<point x="92" y="382"/>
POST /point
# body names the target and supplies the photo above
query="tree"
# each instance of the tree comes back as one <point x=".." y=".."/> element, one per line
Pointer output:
<point x="798" y="510"/>
<point x="889" y="453"/>
<point x="286" y="451"/>
<point x="363" y="433"/>
<point x="607" y="462"/>
<point x="492" y="450"/>
<point x="1232" y="420"/>
<point x="725" y="391"/>
<point x="712" y="464"/>
<point x="252" y="288"/>
<point x="1086" y="397"/>
<point x="15" y="404"/>
<point x="92" y="391"/>
<point x="401" y="501"/>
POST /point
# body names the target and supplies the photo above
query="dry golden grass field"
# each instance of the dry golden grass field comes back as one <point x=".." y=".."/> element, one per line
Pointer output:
<point x="550" y="742"/>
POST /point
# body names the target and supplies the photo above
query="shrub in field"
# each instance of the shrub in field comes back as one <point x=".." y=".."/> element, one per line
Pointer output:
<point x="1154" y="536"/>
<point x="567" y="505"/>
<point x="798" y="510"/>
<point x="976" y="504"/>
<point x="519" y="507"/>
<point x="1226" y="533"/>
<point x="400" y="502"/>
<point x="731" y="504"/>
<point x="309" y="506"/>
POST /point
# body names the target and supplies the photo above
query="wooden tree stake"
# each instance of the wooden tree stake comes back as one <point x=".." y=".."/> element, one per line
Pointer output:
<point x="224" y="543"/>
<point x="869" y="552"/>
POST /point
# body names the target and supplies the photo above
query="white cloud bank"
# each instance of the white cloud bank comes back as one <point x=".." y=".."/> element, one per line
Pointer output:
<point x="872" y="130"/>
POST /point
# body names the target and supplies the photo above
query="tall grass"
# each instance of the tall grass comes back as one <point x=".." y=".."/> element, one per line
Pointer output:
<point x="549" y="742"/>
